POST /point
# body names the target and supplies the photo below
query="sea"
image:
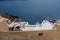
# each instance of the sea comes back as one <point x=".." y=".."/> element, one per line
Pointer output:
<point x="32" y="11"/>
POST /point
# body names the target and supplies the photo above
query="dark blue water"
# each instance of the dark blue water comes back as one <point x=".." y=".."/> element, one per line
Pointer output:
<point x="38" y="9"/>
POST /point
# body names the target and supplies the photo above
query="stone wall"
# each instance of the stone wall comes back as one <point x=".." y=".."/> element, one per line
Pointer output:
<point x="30" y="35"/>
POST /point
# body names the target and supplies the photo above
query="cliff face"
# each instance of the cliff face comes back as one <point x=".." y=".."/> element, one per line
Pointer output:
<point x="10" y="17"/>
<point x="3" y="25"/>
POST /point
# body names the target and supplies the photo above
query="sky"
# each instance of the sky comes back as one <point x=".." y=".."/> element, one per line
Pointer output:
<point x="37" y="9"/>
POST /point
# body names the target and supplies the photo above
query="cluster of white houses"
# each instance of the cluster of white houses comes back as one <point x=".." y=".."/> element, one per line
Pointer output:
<point x="25" y="26"/>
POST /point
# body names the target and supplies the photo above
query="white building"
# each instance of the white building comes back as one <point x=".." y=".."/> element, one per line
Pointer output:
<point x="24" y="26"/>
<point x="46" y="25"/>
